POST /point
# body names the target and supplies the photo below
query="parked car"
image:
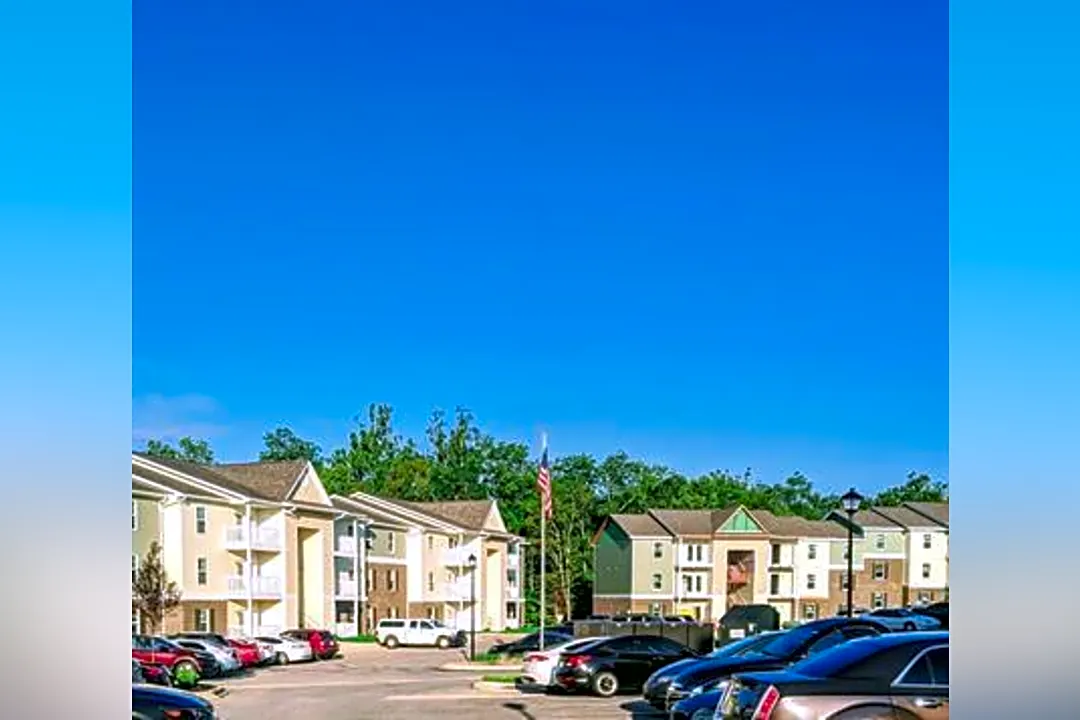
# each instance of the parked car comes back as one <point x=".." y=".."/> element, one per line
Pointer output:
<point x="323" y="643"/>
<point x="154" y="674"/>
<point x="902" y="676"/>
<point x="155" y="703"/>
<point x="780" y="651"/>
<point x="656" y="687"/>
<point x="619" y="663"/>
<point x="903" y="619"/>
<point x="137" y="675"/>
<point x="181" y="662"/>
<point x="249" y="652"/>
<point x="939" y="611"/>
<point x="287" y="650"/>
<point x="539" y="666"/>
<point x="210" y="637"/>
<point x="531" y="643"/>
<point x="392" y="633"/>
<point x="209" y="655"/>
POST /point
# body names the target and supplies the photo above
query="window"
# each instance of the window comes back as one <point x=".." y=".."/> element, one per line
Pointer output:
<point x="391" y="612"/>
<point x="370" y="613"/>
<point x="430" y="542"/>
<point x="135" y="624"/>
<point x="369" y="541"/>
<point x="431" y="613"/>
<point x="431" y="582"/>
<point x="511" y="611"/>
<point x="511" y="549"/>
<point x="924" y="597"/>
<point x="391" y="580"/>
<point x="687" y="583"/>
<point x="879" y="542"/>
<point x="452" y="543"/>
<point x="698" y="582"/>
<point x="664" y="646"/>
<point x="939" y="666"/>
<point x="878" y="600"/>
<point x="844" y="581"/>
<point x="832" y="639"/>
<point x="811" y="582"/>
<point x="204" y="619"/>
<point x="657" y="582"/>
<point x="390" y="542"/>
<point x="134" y="516"/>
<point x="350" y="530"/>
<point x="880" y="571"/>
<point x="655" y="608"/>
<point x="774" y="584"/>
<point x="846" y="553"/>
<point x="658" y="550"/>
<point x="775" y="554"/>
<point x="200" y="571"/>
<point x="511" y="577"/>
<point x="927" y="541"/>
<point x="200" y="520"/>
<point x="370" y="580"/>
<point x="926" y="571"/>
<point x="811" y="552"/>
<point x="134" y="568"/>
<point x="809" y="611"/>
<point x="931" y="668"/>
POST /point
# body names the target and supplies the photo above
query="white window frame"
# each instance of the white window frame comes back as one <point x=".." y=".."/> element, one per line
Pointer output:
<point x="811" y="581"/>
<point x="511" y="611"/>
<point x="657" y="581"/>
<point x="202" y="571"/>
<point x="926" y="571"/>
<point x="927" y="541"/>
<point x="391" y="580"/>
<point x="879" y="542"/>
<point x="391" y="545"/>
<point x="657" y="550"/>
<point x="134" y="515"/>
<point x="430" y="542"/>
<point x="844" y="580"/>
<point x="431" y="582"/>
<point x="201" y="519"/>
<point x="811" y="552"/>
<point x="774" y="584"/>
<point x="698" y="583"/>
<point x="134" y="567"/>
<point x="878" y="601"/>
<point x="884" y="574"/>
<point x="203" y="622"/>
<point x="809" y="612"/>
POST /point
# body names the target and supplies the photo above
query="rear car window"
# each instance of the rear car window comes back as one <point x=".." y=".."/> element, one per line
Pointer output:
<point x="391" y="623"/>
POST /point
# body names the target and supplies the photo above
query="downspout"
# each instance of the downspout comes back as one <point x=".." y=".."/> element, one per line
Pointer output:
<point x="250" y="575"/>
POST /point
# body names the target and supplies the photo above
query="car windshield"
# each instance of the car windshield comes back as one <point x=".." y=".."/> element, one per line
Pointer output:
<point x="785" y="644"/>
<point x="269" y="640"/>
<point x="837" y="659"/>
<point x="746" y="646"/>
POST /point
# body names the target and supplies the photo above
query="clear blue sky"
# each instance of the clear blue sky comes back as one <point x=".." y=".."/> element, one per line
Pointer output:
<point x="713" y="235"/>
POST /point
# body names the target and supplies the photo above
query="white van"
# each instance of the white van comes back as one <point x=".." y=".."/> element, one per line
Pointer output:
<point x="418" y="633"/>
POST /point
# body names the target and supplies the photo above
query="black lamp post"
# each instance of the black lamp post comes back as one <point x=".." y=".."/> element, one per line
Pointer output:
<point x="472" y="625"/>
<point x="850" y="502"/>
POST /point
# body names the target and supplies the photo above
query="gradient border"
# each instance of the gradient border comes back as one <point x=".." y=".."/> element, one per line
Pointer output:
<point x="1014" y="357"/>
<point x="65" y="356"/>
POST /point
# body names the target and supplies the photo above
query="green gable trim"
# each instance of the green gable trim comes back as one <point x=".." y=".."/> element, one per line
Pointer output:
<point x="615" y="534"/>
<point x="741" y="522"/>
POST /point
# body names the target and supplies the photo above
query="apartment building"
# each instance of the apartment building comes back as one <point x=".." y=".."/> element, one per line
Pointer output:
<point x="702" y="562"/>
<point x="251" y="545"/>
<point x="449" y="552"/>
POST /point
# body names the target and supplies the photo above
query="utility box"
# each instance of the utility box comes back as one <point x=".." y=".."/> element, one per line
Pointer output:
<point x="745" y="620"/>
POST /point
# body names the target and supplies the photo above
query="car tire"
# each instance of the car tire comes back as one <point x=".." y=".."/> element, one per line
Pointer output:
<point x="281" y="659"/>
<point x="605" y="684"/>
<point x="443" y="642"/>
<point x="909" y="626"/>
<point x="390" y="642"/>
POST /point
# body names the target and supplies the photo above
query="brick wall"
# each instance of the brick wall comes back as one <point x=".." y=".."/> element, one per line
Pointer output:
<point x="868" y="582"/>
<point x="182" y="619"/>
<point x="610" y="606"/>
<point x="381" y="598"/>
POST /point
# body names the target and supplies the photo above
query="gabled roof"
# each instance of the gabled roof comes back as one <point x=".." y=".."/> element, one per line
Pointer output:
<point x="795" y="527"/>
<point x="873" y="520"/>
<point x="272" y="482"/>
<point x="938" y="512"/>
<point x="909" y="516"/>
<point x="685" y="522"/>
<point x="405" y="513"/>
<point x="370" y="514"/>
<point x="640" y="526"/>
<point x="467" y="514"/>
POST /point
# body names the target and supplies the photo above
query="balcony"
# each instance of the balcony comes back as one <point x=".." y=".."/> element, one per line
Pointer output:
<point x="346" y="545"/>
<point x="238" y="631"/>
<point x="513" y="592"/>
<point x="261" y="587"/>
<point x="265" y="538"/>
<point x="457" y="557"/>
<point x="688" y="559"/>
<point x="457" y="591"/>
<point x="348" y="589"/>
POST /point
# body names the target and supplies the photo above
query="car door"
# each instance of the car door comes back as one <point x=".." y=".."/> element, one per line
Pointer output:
<point x="427" y="632"/>
<point x="633" y="660"/>
<point x="663" y="652"/>
<point x="412" y="634"/>
<point x="923" y="688"/>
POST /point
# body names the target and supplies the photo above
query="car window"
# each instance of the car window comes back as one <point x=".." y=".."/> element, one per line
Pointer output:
<point x="919" y="673"/>
<point x="836" y="660"/>
<point x="163" y="645"/>
<point x="427" y="626"/>
<point x="269" y="640"/>
<point x="414" y="624"/>
<point x="939" y="666"/>
<point x="627" y="643"/>
<point x="859" y="631"/>
<point x="828" y="641"/>
<point x="663" y="646"/>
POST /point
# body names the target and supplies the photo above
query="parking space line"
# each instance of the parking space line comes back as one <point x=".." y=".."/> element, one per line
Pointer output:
<point x="366" y="682"/>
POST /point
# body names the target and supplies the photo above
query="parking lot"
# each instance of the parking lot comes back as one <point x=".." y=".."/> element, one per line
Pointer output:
<point x="371" y="682"/>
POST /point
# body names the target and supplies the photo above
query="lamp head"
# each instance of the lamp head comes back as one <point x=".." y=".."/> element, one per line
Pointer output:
<point x="472" y="561"/>
<point x="851" y="501"/>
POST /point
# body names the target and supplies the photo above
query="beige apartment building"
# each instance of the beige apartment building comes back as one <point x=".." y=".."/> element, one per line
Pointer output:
<point x="703" y="562"/>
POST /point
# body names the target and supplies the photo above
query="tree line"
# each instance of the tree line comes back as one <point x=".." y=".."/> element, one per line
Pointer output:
<point x="458" y="461"/>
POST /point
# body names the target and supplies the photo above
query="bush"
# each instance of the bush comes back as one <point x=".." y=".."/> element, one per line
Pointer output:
<point x="508" y="679"/>
<point x="359" y="639"/>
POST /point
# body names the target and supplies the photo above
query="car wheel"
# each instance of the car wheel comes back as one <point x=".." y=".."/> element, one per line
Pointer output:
<point x="442" y="643"/>
<point x="605" y="684"/>
<point x="909" y="626"/>
<point x="281" y="659"/>
<point x="391" y="642"/>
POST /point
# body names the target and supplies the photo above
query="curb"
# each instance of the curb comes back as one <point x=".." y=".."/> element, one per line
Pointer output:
<point x="478" y="667"/>
<point x="499" y="687"/>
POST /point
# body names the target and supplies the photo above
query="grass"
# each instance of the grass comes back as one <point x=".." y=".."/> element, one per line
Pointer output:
<point x="359" y="639"/>
<point x="490" y="659"/>
<point x="507" y="679"/>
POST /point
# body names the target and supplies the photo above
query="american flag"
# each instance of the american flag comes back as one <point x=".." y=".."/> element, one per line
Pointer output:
<point x="543" y="483"/>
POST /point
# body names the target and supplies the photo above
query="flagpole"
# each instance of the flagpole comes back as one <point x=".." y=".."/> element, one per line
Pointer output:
<point x="543" y="553"/>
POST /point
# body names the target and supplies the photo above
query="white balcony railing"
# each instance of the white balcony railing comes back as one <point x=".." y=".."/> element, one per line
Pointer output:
<point x="261" y="586"/>
<point x="348" y="589"/>
<point x="457" y="556"/>
<point x="513" y="592"/>
<point x="264" y="538"/>
<point x="459" y="590"/>
<point x="346" y="545"/>
<point x="345" y="630"/>
<point x="258" y="630"/>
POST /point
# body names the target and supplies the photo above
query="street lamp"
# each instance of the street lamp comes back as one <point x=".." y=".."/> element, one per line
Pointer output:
<point x="850" y="502"/>
<point x="472" y="625"/>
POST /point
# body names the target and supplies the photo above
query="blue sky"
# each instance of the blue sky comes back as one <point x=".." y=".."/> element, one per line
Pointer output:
<point x="713" y="236"/>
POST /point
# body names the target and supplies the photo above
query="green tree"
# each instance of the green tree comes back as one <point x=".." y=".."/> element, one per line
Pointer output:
<point x="284" y="444"/>
<point x="919" y="487"/>
<point x="189" y="450"/>
<point x="153" y="595"/>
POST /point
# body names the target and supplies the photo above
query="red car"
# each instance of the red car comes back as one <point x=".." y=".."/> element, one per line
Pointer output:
<point x="246" y="652"/>
<point x="323" y="643"/>
<point x="150" y="650"/>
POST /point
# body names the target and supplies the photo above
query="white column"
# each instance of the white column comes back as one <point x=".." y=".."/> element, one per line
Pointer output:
<point x="250" y="579"/>
<point x="357" y="549"/>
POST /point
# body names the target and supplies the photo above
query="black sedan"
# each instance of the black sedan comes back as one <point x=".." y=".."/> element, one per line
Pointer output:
<point x="531" y="643"/>
<point x="157" y="703"/>
<point x="904" y="675"/>
<point x="783" y="650"/>
<point x="620" y="663"/>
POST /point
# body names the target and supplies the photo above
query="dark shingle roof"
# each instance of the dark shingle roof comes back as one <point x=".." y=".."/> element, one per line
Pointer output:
<point x="938" y="512"/>
<point x="469" y="514"/>
<point x="269" y="481"/>
<point x="793" y="526"/>
<point x="685" y="522"/>
<point x="640" y="525"/>
<point x="376" y="516"/>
